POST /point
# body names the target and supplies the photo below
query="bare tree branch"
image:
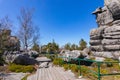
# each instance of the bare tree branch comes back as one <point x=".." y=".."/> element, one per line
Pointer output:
<point x="27" y="30"/>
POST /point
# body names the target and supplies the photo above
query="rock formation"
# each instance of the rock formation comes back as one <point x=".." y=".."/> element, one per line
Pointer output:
<point x="8" y="42"/>
<point x="105" y="40"/>
<point x="18" y="57"/>
<point x="75" y="54"/>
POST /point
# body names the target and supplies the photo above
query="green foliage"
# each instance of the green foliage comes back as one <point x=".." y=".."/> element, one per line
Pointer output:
<point x="74" y="47"/>
<point x="7" y="42"/>
<point x="74" y="67"/>
<point x="51" y="48"/>
<point x="21" y="68"/>
<point x="86" y="70"/>
<point x="58" y="61"/>
<point x="51" y="56"/>
<point x="36" y="47"/>
<point x="82" y="44"/>
<point x="67" y="46"/>
<point x="66" y="66"/>
<point x="1" y="60"/>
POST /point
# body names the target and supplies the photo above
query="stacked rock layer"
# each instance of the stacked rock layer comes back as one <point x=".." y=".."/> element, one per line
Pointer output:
<point x="105" y="40"/>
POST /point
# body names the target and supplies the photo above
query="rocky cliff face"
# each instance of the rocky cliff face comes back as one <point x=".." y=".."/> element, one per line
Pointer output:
<point x="105" y="40"/>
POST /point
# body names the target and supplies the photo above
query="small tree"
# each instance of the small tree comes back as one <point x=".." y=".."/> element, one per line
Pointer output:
<point x="74" y="47"/>
<point x="36" y="47"/>
<point x="28" y="32"/>
<point x="67" y="46"/>
<point x="51" y="47"/>
<point x="5" y="25"/>
<point x="83" y="44"/>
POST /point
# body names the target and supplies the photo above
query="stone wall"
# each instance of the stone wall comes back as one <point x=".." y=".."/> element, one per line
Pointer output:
<point x="105" y="40"/>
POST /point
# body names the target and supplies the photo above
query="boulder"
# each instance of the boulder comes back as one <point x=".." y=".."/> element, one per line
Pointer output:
<point x="75" y="54"/>
<point x="101" y="59"/>
<point x="24" y="60"/>
<point x="33" y="53"/>
<point x="44" y="65"/>
<point x="18" y="58"/>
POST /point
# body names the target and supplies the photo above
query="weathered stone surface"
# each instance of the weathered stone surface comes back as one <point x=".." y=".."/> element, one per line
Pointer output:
<point x="111" y="34"/>
<point x="75" y="53"/>
<point x="105" y="40"/>
<point x="111" y="37"/>
<point x="103" y="54"/>
<point x="112" y="47"/>
<point x="99" y="59"/>
<point x="112" y="29"/>
<point x="103" y="16"/>
<point x="97" y="31"/>
<point x="116" y="22"/>
<point x="24" y="60"/>
<point x="97" y="48"/>
<point x="18" y="58"/>
<point x="110" y="41"/>
<point x="114" y="7"/>
<point x="95" y="42"/>
<point x="44" y="65"/>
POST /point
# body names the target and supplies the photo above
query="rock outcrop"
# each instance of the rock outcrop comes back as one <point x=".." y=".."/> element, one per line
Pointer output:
<point x="18" y="58"/>
<point x="75" y="54"/>
<point x="8" y="42"/>
<point x="105" y="40"/>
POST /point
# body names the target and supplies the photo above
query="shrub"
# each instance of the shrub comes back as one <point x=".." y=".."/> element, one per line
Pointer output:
<point x="74" y="68"/>
<point x="66" y="66"/>
<point x="51" y="56"/>
<point x="21" y="68"/>
<point x="58" y="61"/>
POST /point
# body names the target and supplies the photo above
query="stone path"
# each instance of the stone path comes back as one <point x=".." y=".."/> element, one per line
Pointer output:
<point x="53" y="73"/>
<point x="13" y="76"/>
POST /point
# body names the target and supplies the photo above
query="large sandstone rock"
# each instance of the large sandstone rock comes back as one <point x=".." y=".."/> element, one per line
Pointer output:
<point x="105" y="40"/>
<point x="24" y="60"/>
<point x="114" y="7"/>
<point x="18" y="58"/>
<point x="75" y="54"/>
<point x="110" y="41"/>
<point x="97" y="48"/>
<point x="103" y="16"/>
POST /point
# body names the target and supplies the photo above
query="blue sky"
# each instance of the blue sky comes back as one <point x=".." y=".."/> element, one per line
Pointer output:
<point x="62" y="20"/>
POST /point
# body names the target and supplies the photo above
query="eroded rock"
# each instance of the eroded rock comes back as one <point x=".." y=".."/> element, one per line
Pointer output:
<point x="105" y="40"/>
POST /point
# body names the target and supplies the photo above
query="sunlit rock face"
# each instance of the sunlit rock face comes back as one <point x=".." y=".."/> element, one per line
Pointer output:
<point x="105" y="40"/>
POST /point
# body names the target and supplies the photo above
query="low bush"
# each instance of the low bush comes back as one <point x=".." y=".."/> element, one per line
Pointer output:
<point x="51" y="56"/>
<point x="88" y="71"/>
<point x="74" y="68"/>
<point x="58" y="61"/>
<point x="66" y="66"/>
<point x="21" y="68"/>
